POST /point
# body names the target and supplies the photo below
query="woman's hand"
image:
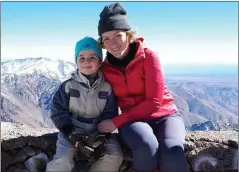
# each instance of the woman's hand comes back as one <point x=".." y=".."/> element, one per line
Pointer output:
<point x="106" y="126"/>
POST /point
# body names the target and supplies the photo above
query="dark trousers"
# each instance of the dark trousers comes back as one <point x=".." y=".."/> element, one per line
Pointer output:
<point x="156" y="144"/>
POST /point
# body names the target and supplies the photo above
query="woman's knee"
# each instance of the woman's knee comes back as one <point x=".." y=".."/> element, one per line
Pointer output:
<point x="171" y="149"/>
<point x="171" y="156"/>
<point x="139" y="137"/>
<point x="170" y="143"/>
<point x="145" y="158"/>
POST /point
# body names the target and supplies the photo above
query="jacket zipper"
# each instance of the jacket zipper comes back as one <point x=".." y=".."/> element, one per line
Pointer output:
<point x="124" y="71"/>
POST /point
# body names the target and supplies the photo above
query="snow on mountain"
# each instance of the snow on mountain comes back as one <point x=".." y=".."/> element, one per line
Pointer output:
<point x="200" y="101"/>
<point x="16" y="109"/>
<point x="28" y="85"/>
<point x="27" y="89"/>
<point x="56" y="69"/>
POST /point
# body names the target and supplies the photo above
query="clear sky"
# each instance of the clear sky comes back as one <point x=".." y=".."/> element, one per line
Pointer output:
<point x="181" y="32"/>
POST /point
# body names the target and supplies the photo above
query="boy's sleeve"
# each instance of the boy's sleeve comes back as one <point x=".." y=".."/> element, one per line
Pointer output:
<point x="60" y="108"/>
<point x="111" y="108"/>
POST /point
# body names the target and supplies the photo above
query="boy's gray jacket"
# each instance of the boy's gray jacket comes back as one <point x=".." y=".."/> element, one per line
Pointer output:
<point x="76" y="102"/>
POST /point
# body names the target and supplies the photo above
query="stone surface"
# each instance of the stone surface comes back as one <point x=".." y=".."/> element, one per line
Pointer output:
<point x="29" y="151"/>
<point x="20" y="157"/>
<point x="15" y="130"/>
<point x="5" y="160"/>
<point x="14" y="143"/>
<point x="205" y="150"/>
<point x="212" y="150"/>
<point x="37" y="162"/>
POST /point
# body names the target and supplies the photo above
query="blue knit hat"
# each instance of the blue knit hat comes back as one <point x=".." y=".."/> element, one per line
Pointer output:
<point x="88" y="43"/>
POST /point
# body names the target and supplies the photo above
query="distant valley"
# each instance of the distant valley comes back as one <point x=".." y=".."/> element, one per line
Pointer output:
<point x="208" y="100"/>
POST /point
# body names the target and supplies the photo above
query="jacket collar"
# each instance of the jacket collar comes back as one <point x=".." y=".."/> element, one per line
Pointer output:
<point x="77" y="76"/>
<point x="138" y="55"/>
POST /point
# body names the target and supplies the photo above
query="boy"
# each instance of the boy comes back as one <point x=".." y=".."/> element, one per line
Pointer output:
<point x="79" y="104"/>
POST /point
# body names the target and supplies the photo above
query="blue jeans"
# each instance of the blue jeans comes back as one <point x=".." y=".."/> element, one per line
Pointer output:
<point x="156" y="144"/>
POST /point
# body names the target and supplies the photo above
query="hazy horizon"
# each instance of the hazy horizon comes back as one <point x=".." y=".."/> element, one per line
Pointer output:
<point x="222" y="71"/>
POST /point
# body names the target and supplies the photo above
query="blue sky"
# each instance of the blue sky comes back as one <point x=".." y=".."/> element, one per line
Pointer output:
<point x="181" y="32"/>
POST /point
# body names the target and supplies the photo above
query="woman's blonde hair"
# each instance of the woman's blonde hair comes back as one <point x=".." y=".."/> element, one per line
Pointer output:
<point x="130" y="34"/>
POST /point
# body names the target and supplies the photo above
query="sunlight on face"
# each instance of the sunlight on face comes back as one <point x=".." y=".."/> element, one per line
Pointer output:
<point x="88" y="62"/>
<point x="116" y="43"/>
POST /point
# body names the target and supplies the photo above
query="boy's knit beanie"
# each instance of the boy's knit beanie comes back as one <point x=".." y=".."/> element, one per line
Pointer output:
<point x="88" y="43"/>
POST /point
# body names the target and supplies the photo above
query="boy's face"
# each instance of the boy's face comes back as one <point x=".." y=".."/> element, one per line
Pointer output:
<point x="88" y="62"/>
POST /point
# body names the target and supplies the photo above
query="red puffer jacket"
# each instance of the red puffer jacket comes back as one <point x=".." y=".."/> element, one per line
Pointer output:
<point x="140" y="87"/>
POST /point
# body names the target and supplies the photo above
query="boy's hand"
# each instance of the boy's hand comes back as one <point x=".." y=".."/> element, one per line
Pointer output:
<point x="106" y="126"/>
<point x="67" y="129"/>
<point x="73" y="139"/>
<point x="80" y="145"/>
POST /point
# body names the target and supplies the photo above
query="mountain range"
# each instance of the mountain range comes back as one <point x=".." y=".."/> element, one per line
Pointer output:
<point x="28" y="85"/>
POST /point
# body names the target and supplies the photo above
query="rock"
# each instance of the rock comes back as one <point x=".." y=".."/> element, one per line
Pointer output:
<point x="14" y="143"/>
<point x="212" y="150"/>
<point x="37" y="150"/>
<point x="233" y="143"/>
<point x="205" y="161"/>
<point x="20" y="166"/>
<point x="235" y="159"/>
<point x="29" y="151"/>
<point x="20" y="157"/>
<point x="12" y="152"/>
<point x="12" y="169"/>
<point x="42" y="142"/>
<point x="5" y="161"/>
<point x="37" y="162"/>
<point x="10" y="131"/>
<point x="205" y="150"/>
<point x="15" y="169"/>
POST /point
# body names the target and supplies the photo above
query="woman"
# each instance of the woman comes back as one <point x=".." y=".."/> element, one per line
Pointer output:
<point x="149" y="123"/>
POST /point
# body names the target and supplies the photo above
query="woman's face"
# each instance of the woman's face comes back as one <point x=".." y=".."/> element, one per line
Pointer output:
<point x="116" y="43"/>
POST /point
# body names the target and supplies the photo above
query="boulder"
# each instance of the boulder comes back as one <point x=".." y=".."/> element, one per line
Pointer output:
<point x="205" y="150"/>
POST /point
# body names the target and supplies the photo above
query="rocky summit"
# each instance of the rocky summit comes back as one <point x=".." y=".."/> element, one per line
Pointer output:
<point x="28" y="149"/>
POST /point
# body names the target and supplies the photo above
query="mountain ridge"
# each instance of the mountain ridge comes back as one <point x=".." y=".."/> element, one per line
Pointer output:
<point x="34" y="81"/>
